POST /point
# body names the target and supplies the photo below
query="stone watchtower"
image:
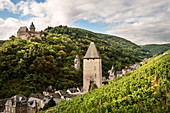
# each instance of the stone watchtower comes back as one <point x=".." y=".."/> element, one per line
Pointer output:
<point x="32" y="27"/>
<point x="77" y="63"/>
<point x="92" y="68"/>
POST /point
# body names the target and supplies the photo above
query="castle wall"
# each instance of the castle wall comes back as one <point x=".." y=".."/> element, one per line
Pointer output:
<point x="22" y="35"/>
<point x="92" y="70"/>
<point x="32" y="29"/>
<point x="36" y="34"/>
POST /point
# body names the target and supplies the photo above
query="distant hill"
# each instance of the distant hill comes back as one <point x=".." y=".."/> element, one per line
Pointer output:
<point x="30" y="66"/>
<point x="142" y="91"/>
<point x="157" y="48"/>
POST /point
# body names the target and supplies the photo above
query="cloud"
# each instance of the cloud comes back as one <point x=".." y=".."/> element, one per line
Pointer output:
<point x="9" y="27"/>
<point x="7" y="4"/>
<point x="150" y="25"/>
<point x="141" y="22"/>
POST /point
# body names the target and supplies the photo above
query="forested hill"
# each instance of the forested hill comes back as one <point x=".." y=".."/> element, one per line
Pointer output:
<point x="143" y="91"/>
<point x="28" y="66"/>
<point x="116" y="47"/>
<point x="157" y="48"/>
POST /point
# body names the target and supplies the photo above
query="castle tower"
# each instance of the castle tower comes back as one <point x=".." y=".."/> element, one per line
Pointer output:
<point x="92" y="68"/>
<point x="77" y="63"/>
<point x="32" y="27"/>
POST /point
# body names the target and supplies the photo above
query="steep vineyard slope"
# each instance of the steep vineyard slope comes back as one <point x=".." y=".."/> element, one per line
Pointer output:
<point x="143" y="91"/>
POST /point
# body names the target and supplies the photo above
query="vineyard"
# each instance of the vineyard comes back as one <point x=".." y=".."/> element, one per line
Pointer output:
<point x="145" y="90"/>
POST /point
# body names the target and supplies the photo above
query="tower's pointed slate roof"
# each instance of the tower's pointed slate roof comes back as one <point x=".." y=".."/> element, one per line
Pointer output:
<point x="92" y="52"/>
<point x="32" y="25"/>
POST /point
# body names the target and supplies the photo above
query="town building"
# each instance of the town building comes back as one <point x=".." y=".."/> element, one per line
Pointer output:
<point x="92" y="68"/>
<point x="16" y="104"/>
<point x="65" y="95"/>
<point x="130" y="68"/>
<point x="2" y="105"/>
<point x="72" y="90"/>
<point x="25" y="33"/>
<point x="32" y="106"/>
<point x="104" y="79"/>
<point x="35" y="103"/>
<point x="144" y="60"/>
<point x="119" y="73"/>
<point x="56" y="97"/>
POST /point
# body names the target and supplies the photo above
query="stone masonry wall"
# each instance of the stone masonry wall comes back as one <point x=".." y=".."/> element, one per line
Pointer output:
<point x="92" y="70"/>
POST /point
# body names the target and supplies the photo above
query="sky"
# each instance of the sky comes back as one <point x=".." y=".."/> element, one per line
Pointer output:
<point x="140" y="21"/>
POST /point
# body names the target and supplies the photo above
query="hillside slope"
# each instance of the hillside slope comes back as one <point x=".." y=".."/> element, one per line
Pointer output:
<point x="141" y="91"/>
<point x="114" y="50"/>
<point x="30" y="66"/>
<point x="157" y="48"/>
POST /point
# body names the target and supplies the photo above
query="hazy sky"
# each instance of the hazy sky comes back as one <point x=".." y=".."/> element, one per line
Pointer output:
<point x="140" y="21"/>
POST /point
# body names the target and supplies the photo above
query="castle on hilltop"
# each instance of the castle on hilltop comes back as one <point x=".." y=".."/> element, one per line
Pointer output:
<point x="92" y="68"/>
<point x="24" y="33"/>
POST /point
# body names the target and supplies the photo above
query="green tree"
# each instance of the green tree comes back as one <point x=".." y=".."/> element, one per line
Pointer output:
<point x="12" y="37"/>
<point x="51" y="103"/>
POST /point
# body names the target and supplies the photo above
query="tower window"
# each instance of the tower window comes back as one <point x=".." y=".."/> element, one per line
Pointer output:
<point x="95" y="75"/>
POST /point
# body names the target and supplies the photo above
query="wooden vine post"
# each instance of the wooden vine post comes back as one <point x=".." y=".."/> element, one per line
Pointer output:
<point x="155" y="77"/>
<point x="166" y="94"/>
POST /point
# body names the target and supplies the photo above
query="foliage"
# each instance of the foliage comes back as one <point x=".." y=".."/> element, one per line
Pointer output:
<point x="51" y="103"/>
<point x="12" y="37"/>
<point x="157" y="48"/>
<point x="94" y="86"/>
<point x="1" y="42"/>
<point x="140" y="92"/>
<point x="30" y="66"/>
